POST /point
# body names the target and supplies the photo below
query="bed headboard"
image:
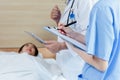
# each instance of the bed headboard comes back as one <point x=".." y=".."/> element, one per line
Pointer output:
<point x="46" y="53"/>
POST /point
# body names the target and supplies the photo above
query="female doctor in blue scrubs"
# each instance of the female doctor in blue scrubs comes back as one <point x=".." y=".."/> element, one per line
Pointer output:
<point x="102" y="56"/>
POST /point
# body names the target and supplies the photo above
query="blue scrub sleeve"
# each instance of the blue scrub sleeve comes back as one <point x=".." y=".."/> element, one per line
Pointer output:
<point x="100" y="34"/>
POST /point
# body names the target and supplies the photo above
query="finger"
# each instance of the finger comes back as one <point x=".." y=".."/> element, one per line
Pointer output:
<point x="60" y="26"/>
<point x="48" y="42"/>
<point x="56" y="7"/>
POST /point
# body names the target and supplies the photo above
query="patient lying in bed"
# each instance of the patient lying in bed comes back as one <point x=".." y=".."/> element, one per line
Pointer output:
<point x="14" y="66"/>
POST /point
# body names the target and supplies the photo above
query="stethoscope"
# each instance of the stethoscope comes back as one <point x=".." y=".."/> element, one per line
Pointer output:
<point x="71" y="14"/>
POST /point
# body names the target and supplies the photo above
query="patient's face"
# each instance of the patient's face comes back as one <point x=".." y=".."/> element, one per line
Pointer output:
<point x="29" y="48"/>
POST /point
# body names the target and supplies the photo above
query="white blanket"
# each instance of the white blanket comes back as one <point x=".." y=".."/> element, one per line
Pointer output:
<point x="14" y="66"/>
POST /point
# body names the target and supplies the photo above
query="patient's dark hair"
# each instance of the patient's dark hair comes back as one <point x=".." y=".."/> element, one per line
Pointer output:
<point x="36" y="50"/>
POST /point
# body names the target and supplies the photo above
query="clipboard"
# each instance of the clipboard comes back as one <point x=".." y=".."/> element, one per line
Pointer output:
<point x="75" y="43"/>
<point x="35" y="37"/>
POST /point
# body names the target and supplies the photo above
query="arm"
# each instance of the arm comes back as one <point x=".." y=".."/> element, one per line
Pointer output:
<point x="70" y="33"/>
<point x="77" y="36"/>
<point x="96" y="62"/>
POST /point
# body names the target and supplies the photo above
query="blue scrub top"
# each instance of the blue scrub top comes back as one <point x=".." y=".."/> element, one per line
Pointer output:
<point x="103" y="40"/>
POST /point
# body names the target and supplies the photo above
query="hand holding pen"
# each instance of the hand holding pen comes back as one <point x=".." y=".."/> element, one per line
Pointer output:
<point x="61" y="27"/>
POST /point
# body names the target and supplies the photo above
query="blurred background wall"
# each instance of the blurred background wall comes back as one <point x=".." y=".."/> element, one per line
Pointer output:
<point x="17" y="16"/>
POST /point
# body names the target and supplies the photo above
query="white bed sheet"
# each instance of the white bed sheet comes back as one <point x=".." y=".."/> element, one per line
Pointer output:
<point x="14" y="66"/>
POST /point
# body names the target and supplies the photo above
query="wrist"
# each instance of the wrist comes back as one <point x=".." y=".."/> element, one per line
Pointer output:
<point x="73" y="35"/>
<point x="62" y="46"/>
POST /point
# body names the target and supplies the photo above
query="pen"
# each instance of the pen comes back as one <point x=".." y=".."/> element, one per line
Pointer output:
<point x="62" y="30"/>
<point x="67" y="26"/>
<point x="70" y="23"/>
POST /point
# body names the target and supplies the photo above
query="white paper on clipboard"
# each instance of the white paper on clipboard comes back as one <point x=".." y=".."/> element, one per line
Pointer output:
<point x="66" y="38"/>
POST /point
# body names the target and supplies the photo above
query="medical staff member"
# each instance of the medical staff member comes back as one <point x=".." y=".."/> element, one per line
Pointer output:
<point x="103" y="42"/>
<point x="76" y="10"/>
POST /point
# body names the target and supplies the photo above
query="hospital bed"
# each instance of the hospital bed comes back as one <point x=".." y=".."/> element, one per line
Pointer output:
<point x="14" y="66"/>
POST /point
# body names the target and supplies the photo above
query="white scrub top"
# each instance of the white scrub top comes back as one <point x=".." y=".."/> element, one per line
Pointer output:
<point x="70" y="64"/>
<point x="103" y="40"/>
